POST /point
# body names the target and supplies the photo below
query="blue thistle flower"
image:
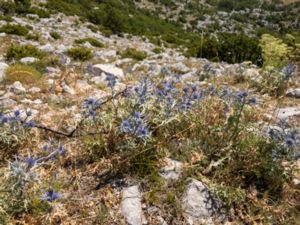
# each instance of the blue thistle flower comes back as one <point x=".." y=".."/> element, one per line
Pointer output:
<point x="111" y="80"/>
<point x="50" y="196"/>
<point x="30" y="162"/>
<point x="4" y="120"/>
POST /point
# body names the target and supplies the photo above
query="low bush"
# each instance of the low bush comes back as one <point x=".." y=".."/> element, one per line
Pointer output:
<point x="80" y="53"/>
<point x="40" y="12"/>
<point x="55" y="35"/>
<point x="134" y="54"/>
<point x="94" y="42"/>
<point x="14" y="29"/>
<point x="32" y="36"/>
<point x="17" y="52"/>
<point x="24" y="73"/>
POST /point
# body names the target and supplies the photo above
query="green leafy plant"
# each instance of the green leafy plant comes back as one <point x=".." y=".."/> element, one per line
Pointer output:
<point x="80" y="53"/>
<point x="275" y="52"/>
<point x="134" y="54"/>
<point x="55" y="35"/>
<point x="17" y="52"/>
<point x="14" y="29"/>
<point x="94" y="42"/>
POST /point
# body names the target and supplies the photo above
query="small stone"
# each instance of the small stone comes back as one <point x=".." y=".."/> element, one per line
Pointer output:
<point x="27" y="60"/>
<point x="172" y="169"/>
<point x="296" y="183"/>
<point x="98" y="69"/>
<point x="68" y="90"/>
<point x="34" y="90"/>
<point x="131" y="206"/>
<point x="38" y="101"/>
<point x="52" y="70"/>
<point x="17" y="88"/>
<point x="47" y="48"/>
<point x="3" y="67"/>
<point x="7" y="102"/>
<point x="293" y="93"/>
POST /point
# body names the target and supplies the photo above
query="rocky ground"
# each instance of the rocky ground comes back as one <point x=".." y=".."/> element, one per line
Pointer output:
<point x="55" y="102"/>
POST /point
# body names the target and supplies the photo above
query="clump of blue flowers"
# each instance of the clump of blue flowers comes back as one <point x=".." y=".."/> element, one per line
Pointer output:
<point x="285" y="139"/>
<point x="135" y="125"/>
<point x="90" y="106"/>
<point x="50" y="196"/>
<point x="14" y="121"/>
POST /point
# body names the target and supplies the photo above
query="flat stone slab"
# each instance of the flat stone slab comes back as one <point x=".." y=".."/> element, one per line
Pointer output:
<point x="285" y="113"/>
<point x="199" y="204"/>
<point x="131" y="206"/>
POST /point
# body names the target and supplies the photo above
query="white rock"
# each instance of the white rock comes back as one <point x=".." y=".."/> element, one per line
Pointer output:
<point x="296" y="183"/>
<point x="285" y="113"/>
<point x="98" y="80"/>
<point x="61" y="48"/>
<point x="38" y="101"/>
<point x="294" y="93"/>
<point x="3" y="67"/>
<point x="88" y="45"/>
<point x="7" y="102"/>
<point x="17" y="88"/>
<point x="82" y="85"/>
<point x="199" y="205"/>
<point x="34" y="90"/>
<point x="98" y="69"/>
<point x="52" y="70"/>
<point x="68" y="89"/>
<point x="106" y="54"/>
<point x="180" y="67"/>
<point x="47" y="48"/>
<point x="172" y="169"/>
<point x="28" y="60"/>
<point x="131" y="206"/>
<point x="252" y="74"/>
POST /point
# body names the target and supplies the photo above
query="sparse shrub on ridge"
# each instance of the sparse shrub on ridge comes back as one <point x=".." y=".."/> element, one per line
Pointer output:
<point x="80" y="53"/>
<point x="55" y="35"/>
<point x="94" y="42"/>
<point x="14" y="29"/>
<point x="17" y="52"/>
<point x="134" y="54"/>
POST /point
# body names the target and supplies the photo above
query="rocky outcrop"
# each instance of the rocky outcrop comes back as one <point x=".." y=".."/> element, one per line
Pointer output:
<point x="199" y="204"/>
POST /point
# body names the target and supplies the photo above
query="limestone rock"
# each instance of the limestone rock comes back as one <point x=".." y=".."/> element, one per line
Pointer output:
<point x="111" y="69"/>
<point x="294" y="93"/>
<point x="131" y="206"/>
<point x="27" y="60"/>
<point x="172" y="169"/>
<point x="17" y="88"/>
<point x="199" y="204"/>
<point x="3" y="67"/>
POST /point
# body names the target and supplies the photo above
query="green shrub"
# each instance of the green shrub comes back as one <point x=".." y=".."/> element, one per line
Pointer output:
<point x="14" y="29"/>
<point x="134" y="54"/>
<point x="40" y="12"/>
<point x="94" y="42"/>
<point x="41" y="65"/>
<point x="17" y="52"/>
<point x="32" y="36"/>
<point x="157" y="50"/>
<point x="23" y="73"/>
<point x="80" y="53"/>
<point x="274" y="52"/>
<point x="55" y="35"/>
